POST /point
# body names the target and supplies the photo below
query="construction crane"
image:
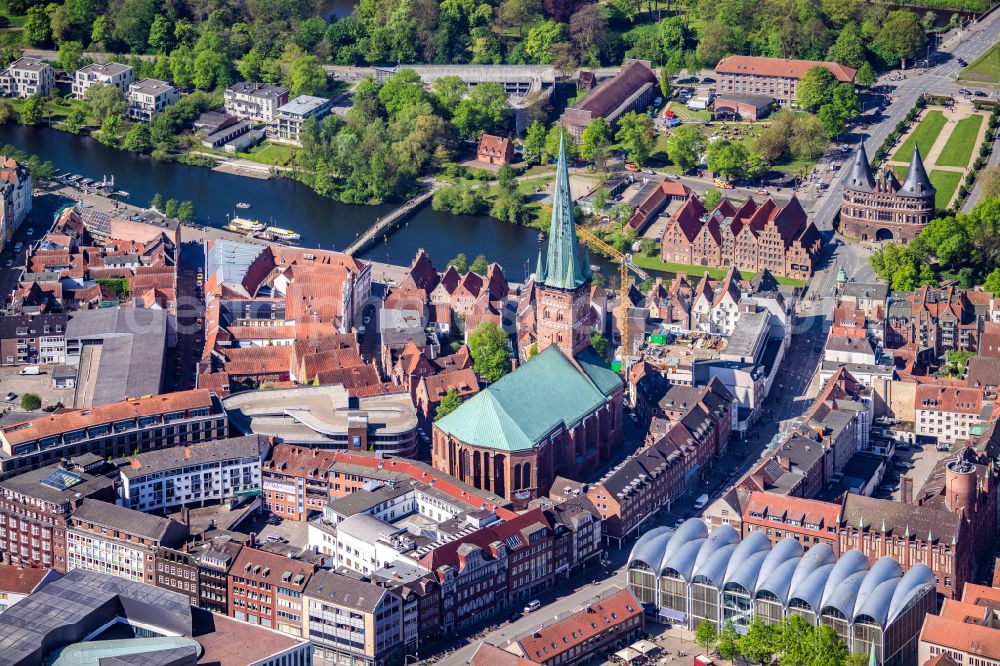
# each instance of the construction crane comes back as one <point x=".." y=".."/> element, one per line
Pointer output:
<point x="625" y="264"/>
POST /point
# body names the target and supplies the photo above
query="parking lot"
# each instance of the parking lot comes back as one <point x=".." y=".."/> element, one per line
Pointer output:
<point x="11" y="381"/>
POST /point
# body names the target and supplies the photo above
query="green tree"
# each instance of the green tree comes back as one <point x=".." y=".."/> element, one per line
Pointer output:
<point x="103" y="100"/>
<point x="599" y="201"/>
<point x="685" y="146"/>
<point x="480" y="264"/>
<point x="307" y="77"/>
<point x="75" y="120"/>
<point x="33" y="111"/>
<point x="828" y="649"/>
<point x="490" y="351"/>
<point x="866" y="75"/>
<point x="137" y="138"/>
<point x="635" y="134"/>
<point x="849" y="49"/>
<point x="541" y="40"/>
<point x="706" y="635"/>
<point x="600" y="344"/>
<point x="7" y="112"/>
<point x="711" y="198"/>
<point x="449" y="91"/>
<point x="855" y="659"/>
<point x="729" y="642"/>
<point x="111" y="130"/>
<point x="161" y="34"/>
<point x="756" y="166"/>
<point x="595" y="143"/>
<point x="727" y="158"/>
<point x="902" y="35"/>
<point x="927" y="277"/>
<point x="211" y="69"/>
<point x="992" y="282"/>
<point x="460" y="263"/>
<point x="449" y="403"/>
<point x="534" y="143"/>
<point x="795" y="641"/>
<point x="552" y="144"/>
<point x="309" y="33"/>
<point x="101" y="30"/>
<point x="484" y="109"/>
<point x="185" y="212"/>
<point x="130" y="23"/>
<point x="665" y="83"/>
<point x="70" y="56"/>
<point x="815" y="88"/>
<point x="30" y="402"/>
<point x="250" y="64"/>
<point x="170" y="208"/>
<point x="759" y="643"/>
<point x="157" y="202"/>
<point x="37" y="31"/>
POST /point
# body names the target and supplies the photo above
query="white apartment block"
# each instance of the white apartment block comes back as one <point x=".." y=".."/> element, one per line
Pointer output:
<point x="210" y="472"/>
<point x="946" y="413"/>
<point x="110" y="74"/>
<point x="256" y="102"/>
<point x="27" y="77"/>
<point x="147" y="97"/>
<point x="289" y="118"/>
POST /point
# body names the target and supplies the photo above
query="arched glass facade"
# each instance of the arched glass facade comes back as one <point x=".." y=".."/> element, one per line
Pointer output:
<point x="689" y="575"/>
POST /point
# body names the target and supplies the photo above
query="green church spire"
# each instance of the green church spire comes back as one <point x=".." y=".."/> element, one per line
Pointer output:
<point x="564" y="268"/>
<point x="872" y="660"/>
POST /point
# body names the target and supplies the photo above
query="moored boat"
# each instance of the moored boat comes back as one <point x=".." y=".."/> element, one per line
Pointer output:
<point x="244" y="225"/>
<point x="277" y="233"/>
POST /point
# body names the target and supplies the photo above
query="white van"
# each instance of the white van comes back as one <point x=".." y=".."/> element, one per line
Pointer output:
<point x="701" y="502"/>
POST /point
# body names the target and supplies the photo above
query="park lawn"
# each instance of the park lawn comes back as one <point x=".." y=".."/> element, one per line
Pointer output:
<point x="923" y="137"/>
<point x="945" y="182"/>
<point x="656" y="264"/>
<point x="985" y="68"/>
<point x="270" y="153"/>
<point x="958" y="150"/>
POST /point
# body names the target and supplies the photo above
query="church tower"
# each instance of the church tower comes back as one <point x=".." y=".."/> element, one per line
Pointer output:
<point x="562" y="279"/>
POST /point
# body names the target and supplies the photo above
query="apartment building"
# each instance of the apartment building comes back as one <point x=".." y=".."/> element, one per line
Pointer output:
<point x="108" y="74"/>
<point x="352" y="621"/>
<point x="808" y="521"/>
<point x="193" y="475"/>
<point x="266" y="588"/>
<point x="29" y="339"/>
<point x="177" y="571"/>
<point x="945" y="413"/>
<point x="256" y="102"/>
<point x="777" y="78"/>
<point x="107" y="538"/>
<point x="966" y="631"/>
<point x="115" y="430"/>
<point x="289" y="117"/>
<point x="26" y="77"/>
<point x="15" y="197"/>
<point x="147" y="97"/>
<point x="35" y="508"/>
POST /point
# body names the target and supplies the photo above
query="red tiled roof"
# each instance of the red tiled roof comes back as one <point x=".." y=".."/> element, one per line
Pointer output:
<point x="495" y="146"/>
<point x="464" y="381"/>
<point x="581" y="627"/>
<point x="66" y="421"/>
<point x="787" y="507"/>
<point x="609" y="95"/>
<point x="953" y="399"/>
<point x="262" y="332"/>
<point x="793" y="69"/>
<point x="688" y="217"/>
<point x="491" y="655"/>
<point x="950" y="632"/>
<point x="266" y="567"/>
<point x="20" y="580"/>
<point x="422" y="274"/>
<point x="655" y="201"/>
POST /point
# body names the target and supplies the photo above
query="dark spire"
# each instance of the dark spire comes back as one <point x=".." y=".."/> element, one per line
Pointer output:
<point x="564" y="268"/>
<point x="861" y="178"/>
<point x="917" y="184"/>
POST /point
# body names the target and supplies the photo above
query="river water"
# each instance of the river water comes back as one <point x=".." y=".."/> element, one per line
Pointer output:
<point x="322" y="222"/>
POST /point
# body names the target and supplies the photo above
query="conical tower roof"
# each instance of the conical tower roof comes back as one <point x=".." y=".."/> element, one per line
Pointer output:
<point x="861" y="177"/>
<point x="564" y="268"/>
<point x="917" y="184"/>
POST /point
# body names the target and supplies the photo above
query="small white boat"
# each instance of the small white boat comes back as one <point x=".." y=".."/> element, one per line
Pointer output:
<point x="243" y="205"/>
<point x="594" y="268"/>
<point x="277" y="233"/>
<point x="122" y="193"/>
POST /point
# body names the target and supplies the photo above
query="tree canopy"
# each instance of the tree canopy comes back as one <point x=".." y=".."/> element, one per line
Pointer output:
<point x="490" y="351"/>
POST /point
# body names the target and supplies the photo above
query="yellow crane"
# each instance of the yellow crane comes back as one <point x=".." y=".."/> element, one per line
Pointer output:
<point x="624" y="266"/>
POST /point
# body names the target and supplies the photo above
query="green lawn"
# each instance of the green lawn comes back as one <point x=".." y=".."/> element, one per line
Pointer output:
<point x="655" y="264"/>
<point x="958" y="150"/>
<point x="985" y="68"/>
<point x="270" y="153"/>
<point x="945" y="182"/>
<point x="923" y="137"/>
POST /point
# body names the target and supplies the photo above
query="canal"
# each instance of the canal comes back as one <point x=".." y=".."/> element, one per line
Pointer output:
<point x="322" y="222"/>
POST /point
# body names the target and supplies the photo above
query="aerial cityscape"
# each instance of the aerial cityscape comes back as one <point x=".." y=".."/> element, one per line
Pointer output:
<point x="500" y="333"/>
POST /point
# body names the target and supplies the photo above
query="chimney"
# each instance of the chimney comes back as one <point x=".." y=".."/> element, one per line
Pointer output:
<point x="187" y="452"/>
<point x="252" y="541"/>
<point x="186" y="516"/>
<point x="906" y="490"/>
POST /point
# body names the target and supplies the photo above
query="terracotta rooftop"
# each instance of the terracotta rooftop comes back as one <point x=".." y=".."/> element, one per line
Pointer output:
<point x="490" y="655"/>
<point x="948" y="399"/>
<point x="266" y="567"/>
<point x="794" y="69"/>
<point x="20" y="580"/>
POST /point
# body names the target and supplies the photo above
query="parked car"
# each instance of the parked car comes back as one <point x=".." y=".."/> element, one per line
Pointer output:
<point x="631" y="167"/>
<point x="11" y="396"/>
<point x="532" y="605"/>
<point x="942" y="447"/>
<point x="17" y="246"/>
<point x="980" y="93"/>
<point x="724" y="184"/>
<point x="31" y="231"/>
<point x="965" y="91"/>
<point x="762" y="193"/>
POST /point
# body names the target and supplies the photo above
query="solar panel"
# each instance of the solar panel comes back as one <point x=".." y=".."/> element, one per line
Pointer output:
<point x="62" y="479"/>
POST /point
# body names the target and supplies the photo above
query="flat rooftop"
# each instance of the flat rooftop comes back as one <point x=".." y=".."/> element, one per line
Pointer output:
<point x="312" y="414"/>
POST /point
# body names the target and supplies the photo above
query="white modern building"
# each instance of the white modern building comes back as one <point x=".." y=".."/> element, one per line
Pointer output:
<point x="147" y="97"/>
<point x="288" y="118"/>
<point x="256" y="102"/>
<point x="26" y="77"/>
<point x="194" y="475"/>
<point x="109" y="74"/>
